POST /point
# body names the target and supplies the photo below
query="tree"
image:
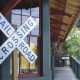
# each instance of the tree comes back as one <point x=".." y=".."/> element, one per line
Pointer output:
<point x="72" y="43"/>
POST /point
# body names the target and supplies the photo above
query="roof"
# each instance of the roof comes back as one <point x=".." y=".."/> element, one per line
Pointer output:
<point x="63" y="14"/>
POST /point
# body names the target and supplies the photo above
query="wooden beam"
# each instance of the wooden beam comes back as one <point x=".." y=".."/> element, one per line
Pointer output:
<point x="74" y="2"/>
<point x="54" y="11"/>
<point x="58" y="3"/>
<point x="56" y="17"/>
<point x="56" y="6"/>
<point x="58" y="25"/>
<point x="53" y="21"/>
<point x="56" y="28"/>
<point x="54" y="39"/>
<point x="72" y="8"/>
<point x="73" y="5"/>
<point x="10" y="6"/>
<point x="54" y="33"/>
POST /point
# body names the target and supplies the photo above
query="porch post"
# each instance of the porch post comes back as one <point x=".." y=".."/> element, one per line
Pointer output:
<point x="46" y="38"/>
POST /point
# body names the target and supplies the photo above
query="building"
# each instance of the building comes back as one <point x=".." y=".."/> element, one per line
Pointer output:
<point x="55" y="19"/>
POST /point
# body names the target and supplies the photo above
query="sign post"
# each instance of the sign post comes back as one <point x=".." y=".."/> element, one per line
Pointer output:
<point x="14" y="65"/>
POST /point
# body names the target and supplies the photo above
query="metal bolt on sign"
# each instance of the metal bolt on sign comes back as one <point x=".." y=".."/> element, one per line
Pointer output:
<point x="15" y="39"/>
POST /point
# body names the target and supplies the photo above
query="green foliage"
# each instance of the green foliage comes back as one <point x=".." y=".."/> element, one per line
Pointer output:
<point x="72" y="43"/>
<point x="78" y="24"/>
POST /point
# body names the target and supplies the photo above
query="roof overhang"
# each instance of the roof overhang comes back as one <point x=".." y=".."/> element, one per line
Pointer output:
<point x="63" y="14"/>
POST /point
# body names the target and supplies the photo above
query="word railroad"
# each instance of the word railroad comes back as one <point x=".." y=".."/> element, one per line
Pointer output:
<point x="16" y="39"/>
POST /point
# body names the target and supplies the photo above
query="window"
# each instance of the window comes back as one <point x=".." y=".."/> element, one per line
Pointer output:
<point x="19" y="16"/>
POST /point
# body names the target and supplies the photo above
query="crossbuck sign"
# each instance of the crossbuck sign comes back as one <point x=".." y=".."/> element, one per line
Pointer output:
<point x="15" y="39"/>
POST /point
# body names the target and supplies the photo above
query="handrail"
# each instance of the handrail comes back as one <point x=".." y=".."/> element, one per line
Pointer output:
<point x="75" y="65"/>
<point x="76" y="59"/>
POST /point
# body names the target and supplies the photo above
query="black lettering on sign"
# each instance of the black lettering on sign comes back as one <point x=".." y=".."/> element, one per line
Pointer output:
<point x="25" y="49"/>
<point x="10" y="45"/>
<point x="26" y="27"/>
<point x="7" y="31"/>
<point x="23" y="31"/>
<point x="22" y="45"/>
<point x="32" y="58"/>
<point x="1" y="57"/>
<point x="30" y="23"/>
<point x="14" y="39"/>
<point x="5" y="50"/>
<point x="6" y="27"/>
<point x="19" y="34"/>
<point x="28" y="54"/>
<point x="2" y="23"/>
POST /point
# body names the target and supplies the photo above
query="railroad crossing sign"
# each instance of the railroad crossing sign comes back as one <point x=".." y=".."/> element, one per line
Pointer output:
<point x="15" y="39"/>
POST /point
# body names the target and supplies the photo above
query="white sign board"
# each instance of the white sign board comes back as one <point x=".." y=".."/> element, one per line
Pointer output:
<point x="15" y="39"/>
<point x="65" y="57"/>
